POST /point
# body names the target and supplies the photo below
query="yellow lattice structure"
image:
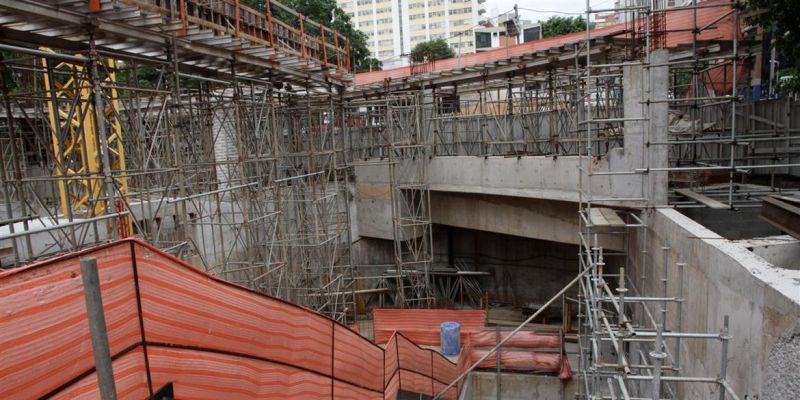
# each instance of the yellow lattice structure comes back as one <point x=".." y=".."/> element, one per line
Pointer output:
<point x="76" y="142"/>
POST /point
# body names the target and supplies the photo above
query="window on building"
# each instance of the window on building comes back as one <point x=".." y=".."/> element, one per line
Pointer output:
<point x="364" y="23"/>
<point x="483" y="40"/>
<point x="383" y="43"/>
<point x="384" y="21"/>
<point x="457" y="11"/>
<point x="364" y="2"/>
<point x="436" y="14"/>
<point x="435" y="3"/>
<point x="364" y="12"/>
<point x="416" y="16"/>
<point x="416" y="5"/>
<point x="418" y="26"/>
<point x="418" y="38"/>
<point x="385" y="53"/>
<point x="436" y="25"/>
<point x="383" y="10"/>
<point x="384" y="31"/>
<point x="534" y="33"/>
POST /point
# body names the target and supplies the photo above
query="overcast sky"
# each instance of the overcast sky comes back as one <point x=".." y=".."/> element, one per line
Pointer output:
<point x="545" y="8"/>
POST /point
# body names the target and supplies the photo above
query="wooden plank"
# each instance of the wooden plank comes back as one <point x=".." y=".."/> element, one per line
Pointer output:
<point x="596" y="217"/>
<point x="612" y="217"/>
<point x="702" y="199"/>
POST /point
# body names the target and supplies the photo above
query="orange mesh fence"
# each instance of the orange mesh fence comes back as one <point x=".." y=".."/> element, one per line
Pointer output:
<point x="130" y="376"/>
<point x="525" y="339"/>
<point x="422" y="326"/>
<point x="511" y="359"/>
<point x="411" y="368"/>
<point x="168" y="322"/>
<point x="44" y="336"/>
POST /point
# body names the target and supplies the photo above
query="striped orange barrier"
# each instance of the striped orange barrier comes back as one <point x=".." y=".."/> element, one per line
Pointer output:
<point x="169" y="322"/>
<point x="422" y="326"/>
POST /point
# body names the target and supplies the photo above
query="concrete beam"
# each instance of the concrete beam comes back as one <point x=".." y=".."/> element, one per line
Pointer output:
<point x="555" y="221"/>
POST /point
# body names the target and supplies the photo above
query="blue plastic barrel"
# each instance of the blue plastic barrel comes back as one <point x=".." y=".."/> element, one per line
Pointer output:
<point x="450" y="335"/>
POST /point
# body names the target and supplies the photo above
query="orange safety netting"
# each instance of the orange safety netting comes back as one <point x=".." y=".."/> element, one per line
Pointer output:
<point x="422" y="326"/>
<point x="169" y="322"/>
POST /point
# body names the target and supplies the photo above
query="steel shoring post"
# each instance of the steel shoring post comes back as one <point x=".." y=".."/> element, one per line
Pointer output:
<point x="664" y="280"/>
<point x="621" y="321"/>
<point x="176" y="137"/>
<point x="97" y="328"/>
<point x="17" y="165"/>
<point x="724" y="361"/>
<point x="345" y="192"/>
<point x="102" y="135"/>
<point x="734" y="100"/>
<point x="497" y="353"/>
<point x="677" y="352"/>
<point x="6" y="184"/>
<point x="397" y="228"/>
<point x="658" y="357"/>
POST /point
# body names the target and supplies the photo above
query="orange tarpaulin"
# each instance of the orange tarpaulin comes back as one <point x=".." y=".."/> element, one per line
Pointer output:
<point x="169" y="322"/>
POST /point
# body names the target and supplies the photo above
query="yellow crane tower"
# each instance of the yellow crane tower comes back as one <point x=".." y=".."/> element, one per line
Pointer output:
<point x="77" y="144"/>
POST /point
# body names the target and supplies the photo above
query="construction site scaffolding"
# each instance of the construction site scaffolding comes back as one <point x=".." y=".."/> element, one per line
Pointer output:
<point x="237" y="174"/>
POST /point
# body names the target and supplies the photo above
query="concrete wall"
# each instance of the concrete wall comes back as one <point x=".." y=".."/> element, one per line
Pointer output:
<point x="781" y="251"/>
<point x="724" y="278"/>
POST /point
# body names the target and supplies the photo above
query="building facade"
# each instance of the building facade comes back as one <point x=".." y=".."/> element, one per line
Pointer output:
<point x="494" y="34"/>
<point x="394" y="27"/>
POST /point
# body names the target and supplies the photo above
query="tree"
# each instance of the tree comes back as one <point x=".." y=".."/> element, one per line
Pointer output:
<point x="370" y="64"/>
<point x="557" y="26"/>
<point x="431" y="50"/>
<point x="780" y="20"/>
<point x="321" y="11"/>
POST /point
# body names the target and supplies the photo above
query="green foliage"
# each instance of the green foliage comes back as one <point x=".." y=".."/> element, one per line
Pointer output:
<point x="431" y="50"/>
<point x="782" y="17"/>
<point x="143" y="77"/>
<point x="370" y="64"/>
<point x="789" y="83"/>
<point x="320" y="11"/>
<point x="557" y="26"/>
<point x="8" y="73"/>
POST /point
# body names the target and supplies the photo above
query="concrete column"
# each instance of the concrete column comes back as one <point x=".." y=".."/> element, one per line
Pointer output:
<point x="644" y="87"/>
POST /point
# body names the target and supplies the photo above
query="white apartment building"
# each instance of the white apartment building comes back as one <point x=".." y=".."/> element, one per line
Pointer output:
<point x="393" y="27"/>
